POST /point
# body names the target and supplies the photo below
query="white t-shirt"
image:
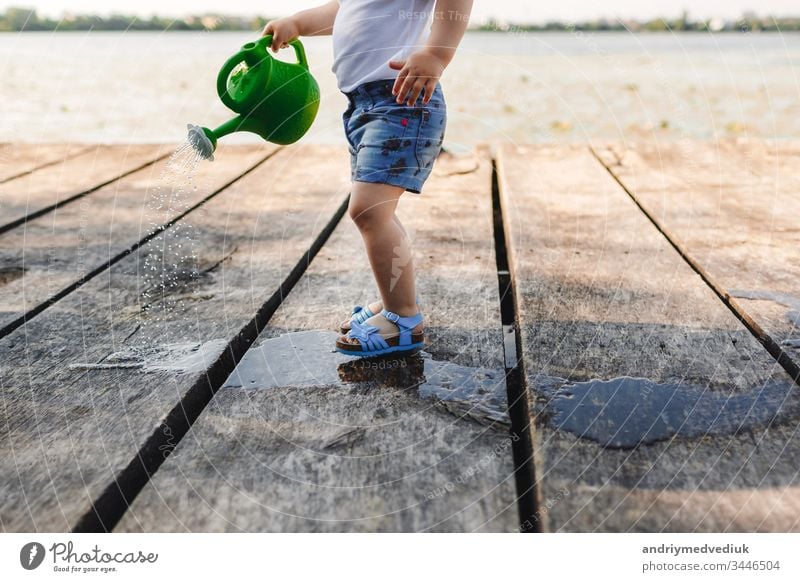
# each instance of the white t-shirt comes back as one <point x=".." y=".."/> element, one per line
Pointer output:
<point x="367" y="34"/>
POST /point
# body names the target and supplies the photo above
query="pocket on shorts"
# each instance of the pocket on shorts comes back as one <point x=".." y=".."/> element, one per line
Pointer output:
<point x="395" y="115"/>
<point x="429" y="140"/>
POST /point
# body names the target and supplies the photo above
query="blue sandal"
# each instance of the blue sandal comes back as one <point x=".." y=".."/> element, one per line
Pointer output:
<point x="360" y="315"/>
<point x="372" y="343"/>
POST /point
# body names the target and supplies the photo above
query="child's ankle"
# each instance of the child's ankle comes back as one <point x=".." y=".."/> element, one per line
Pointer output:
<point x="404" y="310"/>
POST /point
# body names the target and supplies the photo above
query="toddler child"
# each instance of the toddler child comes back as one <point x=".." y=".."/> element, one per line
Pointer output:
<point x="388" y="58"/>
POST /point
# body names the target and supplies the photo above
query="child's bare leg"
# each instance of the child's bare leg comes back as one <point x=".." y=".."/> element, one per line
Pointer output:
<point x="376" y="306"/>
<point x="372" y="208"/>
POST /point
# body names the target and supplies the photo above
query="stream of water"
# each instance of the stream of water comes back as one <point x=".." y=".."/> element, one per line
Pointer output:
<point x="169" y="263"/>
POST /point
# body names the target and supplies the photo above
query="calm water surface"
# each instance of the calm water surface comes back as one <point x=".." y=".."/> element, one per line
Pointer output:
<point x="141" y="87"/>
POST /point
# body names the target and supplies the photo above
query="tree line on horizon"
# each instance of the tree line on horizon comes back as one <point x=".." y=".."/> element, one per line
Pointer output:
<point x="17" y="19"/>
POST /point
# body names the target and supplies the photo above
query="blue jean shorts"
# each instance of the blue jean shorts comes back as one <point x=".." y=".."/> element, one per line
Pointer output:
<point x="390" y="142"/>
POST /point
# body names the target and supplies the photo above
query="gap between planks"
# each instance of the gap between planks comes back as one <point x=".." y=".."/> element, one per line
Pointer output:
<point x="111" y="505"/>
<point x="770" y="345"/>
<point x="43" y="165"/>
<point x="33" y="312"/>
<point x="519" y="405"/>
<point x="50" y="208"/>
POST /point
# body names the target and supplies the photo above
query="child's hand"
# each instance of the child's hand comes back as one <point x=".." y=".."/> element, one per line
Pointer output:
<point x="420" y="72"/>
<point x="282" y="30"/>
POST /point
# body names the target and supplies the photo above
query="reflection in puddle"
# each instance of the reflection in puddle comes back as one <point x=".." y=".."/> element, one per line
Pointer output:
<point x="627" y="412"/>
<point x="308" y="359"/>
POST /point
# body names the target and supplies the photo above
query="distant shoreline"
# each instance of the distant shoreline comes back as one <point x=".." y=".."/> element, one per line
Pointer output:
<point x="469" y="31"/>
<point x="28" y="20"/>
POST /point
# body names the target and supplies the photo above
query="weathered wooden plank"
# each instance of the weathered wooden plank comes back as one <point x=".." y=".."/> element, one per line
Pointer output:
<point x="693" y="509"/>
<point x="70" y="178"/>
<point x="733" y="207"/>
<point x="94" y="376"/>
<point x="50" y="254"/>
<point x="302" y="439"/>
<point x="647" y="389"/>
<point x="20" y="159"/>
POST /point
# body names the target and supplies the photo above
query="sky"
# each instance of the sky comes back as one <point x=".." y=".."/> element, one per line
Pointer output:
<point x="515" y="10"/>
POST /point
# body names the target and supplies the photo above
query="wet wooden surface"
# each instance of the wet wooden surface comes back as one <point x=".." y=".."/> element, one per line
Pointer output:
<point x="603" y="295"/>
<point x="66" y="181"/>
<point x="335" y="445"/>
<point x="71" y="426"/>
<point x="654" y="408"/>
<point x="733" y="206"/>
<point x="53" y="252"/>
<point x="17" y="160"/>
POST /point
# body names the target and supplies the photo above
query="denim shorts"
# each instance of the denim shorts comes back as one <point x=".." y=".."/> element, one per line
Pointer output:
<point x="390" y="142"/>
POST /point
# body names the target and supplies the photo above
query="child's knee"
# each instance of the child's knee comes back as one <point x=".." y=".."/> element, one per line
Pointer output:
<point x="368" y="216"/>
<point x="372" y="205"/>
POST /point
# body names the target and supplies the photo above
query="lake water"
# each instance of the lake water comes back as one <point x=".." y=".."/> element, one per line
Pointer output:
<point x="145" y="87"/>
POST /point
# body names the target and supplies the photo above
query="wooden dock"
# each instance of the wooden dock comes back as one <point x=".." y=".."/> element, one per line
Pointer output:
<point x="614" y="343"/>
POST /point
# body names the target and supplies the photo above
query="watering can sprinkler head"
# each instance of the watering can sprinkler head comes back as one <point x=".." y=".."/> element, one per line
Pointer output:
<point x="203" y="141"/>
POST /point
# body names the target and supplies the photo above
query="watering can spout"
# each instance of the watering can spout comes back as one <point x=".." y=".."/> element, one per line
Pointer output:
<point x="203" y="141"/>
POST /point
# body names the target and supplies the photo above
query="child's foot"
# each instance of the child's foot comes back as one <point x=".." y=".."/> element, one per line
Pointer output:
<point x="408" y="328"/>
<point x="371" y="310"/>
<point x="374" y="307"/>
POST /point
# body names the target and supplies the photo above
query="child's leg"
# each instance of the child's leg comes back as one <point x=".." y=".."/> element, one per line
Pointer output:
<point x="372" y="208"/>
<point x="376" y="306"/>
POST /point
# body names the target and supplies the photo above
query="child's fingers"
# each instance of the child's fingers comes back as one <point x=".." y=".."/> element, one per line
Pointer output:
<point x="400" y="66"/>
<point x="276" y="43"/>
<point x="399" y="82"/>
<point x="276" y="39"/>
<point x="430" y="87"/>
<point x="416" y="89"/>
<point x="405" y="85"/>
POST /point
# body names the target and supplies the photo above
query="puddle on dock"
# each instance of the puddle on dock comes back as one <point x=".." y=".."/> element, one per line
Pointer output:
<point x="789" y="301"/>
<point x="308" y="359"/>
<point x="628" y="412"/>
<point x="179" y="358"/>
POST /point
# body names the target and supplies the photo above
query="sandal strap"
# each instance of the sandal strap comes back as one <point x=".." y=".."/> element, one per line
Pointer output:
<point x="363" y="313"/>
<point x="368" y="336"/>
<point x="360" y="314"/>
<point x="405" y="324"/>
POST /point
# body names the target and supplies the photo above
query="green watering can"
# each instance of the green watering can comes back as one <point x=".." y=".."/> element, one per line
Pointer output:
<point x="274" y="99"/>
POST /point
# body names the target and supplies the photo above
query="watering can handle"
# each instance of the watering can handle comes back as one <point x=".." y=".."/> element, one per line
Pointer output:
<point x="244" y="55"/>
<point x="252" y="59"/>
<point x="299" y="51"/>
